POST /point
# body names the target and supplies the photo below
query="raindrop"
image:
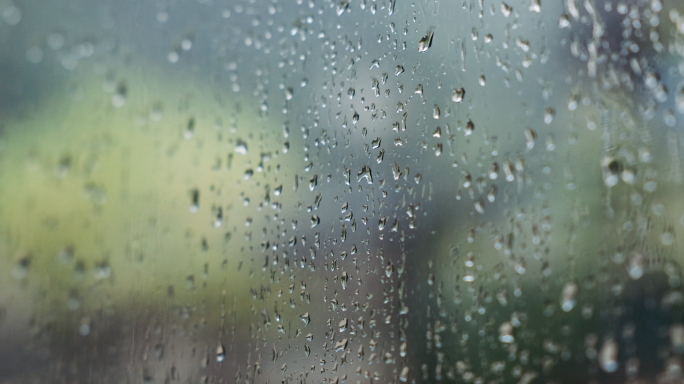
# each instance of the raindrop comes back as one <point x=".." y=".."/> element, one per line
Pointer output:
<point x="608" y="356"/>
<point x="425" y="42"/>
<point x="479" y="206"/>
<point x="467" y="181"/>
<point x="342" y="7"/>
<point x="241" y="147"/>
<point x="365" y="173"/>
<point x="470" y="127"/>
<point x="530" y="136"/>
<point x="220" y="353"/>
<point x="636" y="265"/>
<point x="194" y="207"/>
<point x="458" y="95"/>
<point x="438" y="150"/>
<point x="341" y="345"/>
<point x="403" y="376"/>
<point x="491" y="195"/>
<point x="568" y="296"/>
<point x="611" y="170"/>
<point x="535" y="6"/>
<point x="573" y="101"/>
<point x="248" y="174"/>
<point x="506" y="9"/>
<point x="382" y="222"/>
<point x="399" y="70"/>
<point x="343" y="325"/>
<point x="506" y="333"/>
<point x="494" y="171"/>
<point x="508" y="170"/>
<point x="344" y="280"/>
<point x="549" y="113"/>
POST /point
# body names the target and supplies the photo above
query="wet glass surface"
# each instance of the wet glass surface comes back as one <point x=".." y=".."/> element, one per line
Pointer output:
<point x="360" y="191"/>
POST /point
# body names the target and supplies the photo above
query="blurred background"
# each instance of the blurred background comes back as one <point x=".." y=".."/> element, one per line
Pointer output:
<point x="353" y="191"/>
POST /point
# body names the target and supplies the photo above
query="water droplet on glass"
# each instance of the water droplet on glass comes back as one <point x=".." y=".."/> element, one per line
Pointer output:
<point x="535" y="6"/>
<point x="341" y="345"/>
<point x="305" y="318"/>
<point x="403" y="376"/>
<point x="343" y="325"/>
<point x="342" y="7"/>
<point x="220" y="353"/>
<point x="636" y="265"/>
<point x="458" y="95"/>
<point x="506" y="9"/>
<point x="365" y="173"/>
<point x="506" y="333"/>
<point x="241" y="147"/>
<point x="425" y="42"/>
<point x="549" y="113"/>
<point x="469" y="128"/>
<point x="568" y="296"/>
<point x="608" y="356"/>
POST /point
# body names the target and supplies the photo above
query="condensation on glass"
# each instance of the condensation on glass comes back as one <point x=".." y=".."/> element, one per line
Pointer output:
<point x="310" y="191"/>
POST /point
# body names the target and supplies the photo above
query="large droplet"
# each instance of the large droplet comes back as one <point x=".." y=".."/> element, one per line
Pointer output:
<point x="220" y="353"/>
<point x="425" y="42"/>
<point x="608" y="356"/>
<point x="306" y="319"/>
<point x="568" y="296"/>
<point x="458" y="95"/>
<point x="506" y="333"/>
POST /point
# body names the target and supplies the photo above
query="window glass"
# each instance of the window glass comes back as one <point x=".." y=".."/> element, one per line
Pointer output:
<point x="311" y="191"/>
